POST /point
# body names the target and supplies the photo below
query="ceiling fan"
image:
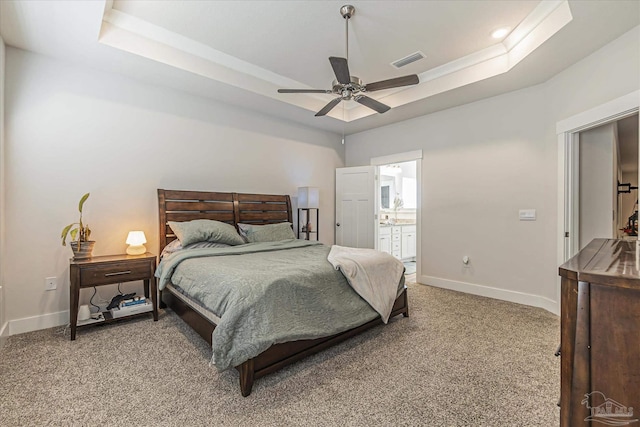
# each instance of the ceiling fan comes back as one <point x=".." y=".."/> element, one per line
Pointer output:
<point x="349" y="87"/>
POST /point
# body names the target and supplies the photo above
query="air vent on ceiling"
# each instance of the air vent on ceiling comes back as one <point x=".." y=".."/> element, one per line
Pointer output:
<point x="408" y="59"/>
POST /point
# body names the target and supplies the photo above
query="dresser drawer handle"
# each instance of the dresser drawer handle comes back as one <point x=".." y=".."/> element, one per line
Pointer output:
<point x="118" y="273"/>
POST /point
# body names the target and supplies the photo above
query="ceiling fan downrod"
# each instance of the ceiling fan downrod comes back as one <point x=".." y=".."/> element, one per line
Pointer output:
<point x="347" y="11"/>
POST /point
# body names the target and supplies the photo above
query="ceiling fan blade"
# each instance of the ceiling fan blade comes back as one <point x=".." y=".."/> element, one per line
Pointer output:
<point x="372" y="103"/>
<point x="304" y="91"/>
<point x="409" y="80"/>
<point x="340" y="69"/>
<point x="328" y="107"/>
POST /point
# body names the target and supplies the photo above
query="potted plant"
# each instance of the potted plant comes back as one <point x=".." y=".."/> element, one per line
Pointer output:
<point x="80" y="244"/>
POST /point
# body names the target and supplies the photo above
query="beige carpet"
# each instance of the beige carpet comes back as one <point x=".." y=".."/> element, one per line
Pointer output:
<point x="459" y="360"/>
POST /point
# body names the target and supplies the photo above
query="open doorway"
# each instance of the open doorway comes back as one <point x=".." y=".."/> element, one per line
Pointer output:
<point x="361" y="217"/>
<point x="608" y="181"/>
<point x="397" y="212"/>
<point x="627" y="191"/>
<point x="568" y="132"/>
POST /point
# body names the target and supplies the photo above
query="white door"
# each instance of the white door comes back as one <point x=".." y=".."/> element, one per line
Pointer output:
<point x="355" y="207"/>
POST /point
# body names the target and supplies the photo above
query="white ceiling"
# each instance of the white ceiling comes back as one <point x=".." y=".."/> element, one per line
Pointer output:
<point x="240" y="52"/>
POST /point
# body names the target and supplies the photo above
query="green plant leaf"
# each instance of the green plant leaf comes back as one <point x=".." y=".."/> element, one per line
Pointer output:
<point x="65" y="232"/>
<point x="74" y="233"/>
<point x="82" y="200"/>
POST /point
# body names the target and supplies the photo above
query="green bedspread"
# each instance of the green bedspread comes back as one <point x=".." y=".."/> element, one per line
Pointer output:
<point x="264" y="294"/>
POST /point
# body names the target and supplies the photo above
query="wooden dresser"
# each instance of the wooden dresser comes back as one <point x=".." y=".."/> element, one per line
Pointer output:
<point x="600" y="335"/>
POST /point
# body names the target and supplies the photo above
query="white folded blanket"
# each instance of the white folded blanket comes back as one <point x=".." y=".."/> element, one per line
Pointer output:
<point x="374" y="275"/>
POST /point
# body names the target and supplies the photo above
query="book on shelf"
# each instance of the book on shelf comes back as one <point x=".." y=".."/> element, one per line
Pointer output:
<point x="130" y="310"/>
<point x="133" y="301"/>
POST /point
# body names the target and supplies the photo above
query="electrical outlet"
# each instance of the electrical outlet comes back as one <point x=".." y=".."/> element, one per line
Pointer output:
<point x="51" y="283"/>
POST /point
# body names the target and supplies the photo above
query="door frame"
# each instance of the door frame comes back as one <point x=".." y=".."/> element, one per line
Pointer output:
<point x="568" y="138"/>
<point x="407" y="156"/>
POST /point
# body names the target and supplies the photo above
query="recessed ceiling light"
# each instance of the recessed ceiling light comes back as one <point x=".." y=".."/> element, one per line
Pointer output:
<point x="500" y="32"/>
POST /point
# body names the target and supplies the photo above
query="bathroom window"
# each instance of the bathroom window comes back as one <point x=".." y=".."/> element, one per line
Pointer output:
<point x="384" y="196"/>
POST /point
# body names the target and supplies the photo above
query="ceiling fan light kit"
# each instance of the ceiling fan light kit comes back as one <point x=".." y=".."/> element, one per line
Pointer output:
<point x="349" y="87"/>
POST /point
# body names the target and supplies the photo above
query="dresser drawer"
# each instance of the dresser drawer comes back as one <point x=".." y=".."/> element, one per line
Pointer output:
<point x="396" y="237"/>
<point x="114" y="273"/>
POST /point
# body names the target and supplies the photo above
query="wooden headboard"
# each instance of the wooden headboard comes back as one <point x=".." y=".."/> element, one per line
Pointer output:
<point x="232" y="208"/>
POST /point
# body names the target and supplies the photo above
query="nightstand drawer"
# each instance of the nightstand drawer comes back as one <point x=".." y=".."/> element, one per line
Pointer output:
<point x="114" y="273"/>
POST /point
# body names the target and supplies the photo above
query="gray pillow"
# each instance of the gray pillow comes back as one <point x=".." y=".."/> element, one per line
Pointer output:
<point x="176" y="246"/>
<point x="267" y="233"/>
<point x="205" y="230"/>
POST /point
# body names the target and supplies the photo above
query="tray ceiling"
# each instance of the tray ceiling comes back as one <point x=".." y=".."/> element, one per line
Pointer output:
<point x="241" y="52"/>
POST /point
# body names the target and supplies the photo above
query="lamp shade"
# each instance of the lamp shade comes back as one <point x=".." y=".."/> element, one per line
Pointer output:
<point x="308" y="197"/>
<point x="136" y="241"/>
<point x="136" y="238"/>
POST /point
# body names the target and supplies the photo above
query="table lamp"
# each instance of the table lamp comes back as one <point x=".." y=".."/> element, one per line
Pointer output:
<point x="308" y="197"/>
<point x="136" y="241"/>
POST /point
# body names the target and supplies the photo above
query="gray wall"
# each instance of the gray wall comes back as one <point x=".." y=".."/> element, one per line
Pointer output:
<point x="4" y="330"/>
<point x="72" y="130"/>
<point x="486" y="160"/>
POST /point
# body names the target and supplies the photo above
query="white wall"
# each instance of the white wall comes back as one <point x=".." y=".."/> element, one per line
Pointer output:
<point x="596" y="183"/>
<point x="4" y="330"/>
<point x="72" y="130"/>
<point x="486" y="160"/>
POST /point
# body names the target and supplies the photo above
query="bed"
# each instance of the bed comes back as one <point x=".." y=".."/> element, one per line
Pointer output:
<point x="234" y="209"/>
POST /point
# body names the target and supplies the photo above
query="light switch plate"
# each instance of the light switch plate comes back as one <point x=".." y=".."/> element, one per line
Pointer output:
<point x="527" y="214"/>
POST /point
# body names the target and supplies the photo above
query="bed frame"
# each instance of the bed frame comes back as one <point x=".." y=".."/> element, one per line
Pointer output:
<point x="234" y="208"/>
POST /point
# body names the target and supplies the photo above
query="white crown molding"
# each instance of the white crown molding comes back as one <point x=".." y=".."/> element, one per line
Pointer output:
<point x="495" y="293"/>
<point x="543" y="22"/>
<point x="136" y="36"/>
<point x="133" y="35"/>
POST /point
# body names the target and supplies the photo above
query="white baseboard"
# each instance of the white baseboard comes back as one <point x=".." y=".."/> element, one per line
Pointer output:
<point x="44" y="321"/>
<point x="496" y="293"/>
<point x="4" y="326"/>
<point x="4" y="333"/>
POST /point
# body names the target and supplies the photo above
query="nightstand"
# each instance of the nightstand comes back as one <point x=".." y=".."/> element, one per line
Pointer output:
<point x="109" y="270"/>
